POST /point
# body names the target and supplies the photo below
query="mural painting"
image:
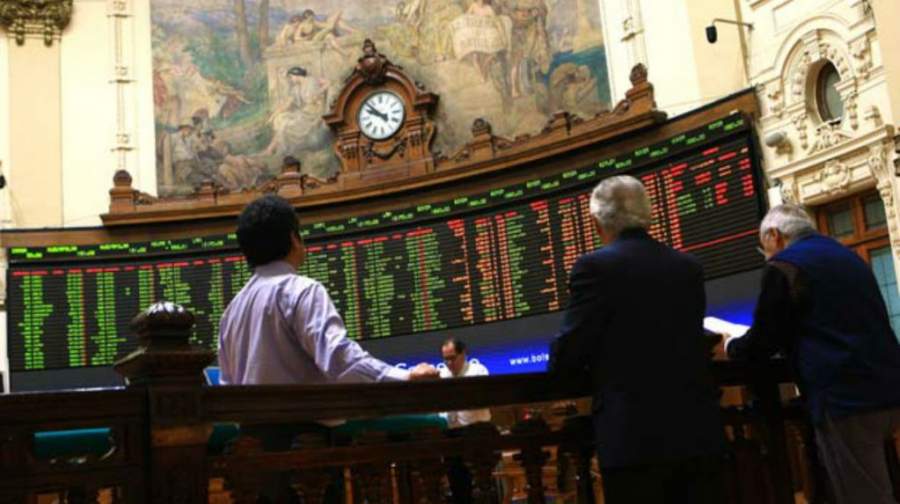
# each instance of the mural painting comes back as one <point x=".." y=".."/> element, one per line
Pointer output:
<point x="240" y="84"/>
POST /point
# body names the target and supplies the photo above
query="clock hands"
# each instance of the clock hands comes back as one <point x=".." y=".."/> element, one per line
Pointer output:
<point x="372" y="110"/>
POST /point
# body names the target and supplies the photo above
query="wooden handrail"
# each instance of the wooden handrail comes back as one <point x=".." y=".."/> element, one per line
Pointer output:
<point x="299" y="403"/>
<point x="80" y="408"/>
<point x="160" y="425"/>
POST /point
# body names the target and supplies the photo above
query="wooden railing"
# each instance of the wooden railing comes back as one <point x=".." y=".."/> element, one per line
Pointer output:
<point x="160" y="426"/>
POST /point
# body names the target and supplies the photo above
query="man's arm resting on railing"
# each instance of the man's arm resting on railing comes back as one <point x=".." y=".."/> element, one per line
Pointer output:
<point x="772" y="319"/>
<point x="324" y="338"/>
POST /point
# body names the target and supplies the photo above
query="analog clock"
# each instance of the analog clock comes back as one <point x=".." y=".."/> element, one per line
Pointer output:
<point x="381" y="115"/>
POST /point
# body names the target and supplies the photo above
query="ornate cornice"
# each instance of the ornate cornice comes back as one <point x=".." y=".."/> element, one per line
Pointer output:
<point x="46" y="17"/>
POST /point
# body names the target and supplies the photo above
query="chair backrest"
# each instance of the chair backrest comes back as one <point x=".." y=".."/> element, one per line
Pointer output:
<point x="212" y="375"/>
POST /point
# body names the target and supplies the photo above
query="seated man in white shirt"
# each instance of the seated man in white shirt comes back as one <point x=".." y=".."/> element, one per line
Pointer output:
<point x="283" y="328"/>
<point x="457" y="365"/>
<point x="453" y="352"/>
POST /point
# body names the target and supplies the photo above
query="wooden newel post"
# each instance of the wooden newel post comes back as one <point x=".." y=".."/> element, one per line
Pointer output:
<point x="577" y="430"/>
<point x="766" y="388"/>
<point x="170" y="368"/>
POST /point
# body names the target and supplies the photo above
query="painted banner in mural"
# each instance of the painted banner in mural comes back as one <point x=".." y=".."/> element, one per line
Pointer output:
<point x="240" y="84"/>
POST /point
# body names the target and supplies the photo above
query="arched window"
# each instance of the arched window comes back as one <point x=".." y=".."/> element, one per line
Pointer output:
<point x="828" y="99"/>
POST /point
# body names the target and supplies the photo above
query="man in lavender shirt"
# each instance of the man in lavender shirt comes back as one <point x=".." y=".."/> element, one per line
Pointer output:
<point x="282" y="327"/>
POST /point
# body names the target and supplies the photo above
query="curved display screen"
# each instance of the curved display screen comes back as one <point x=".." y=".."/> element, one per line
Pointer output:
<point x="498" y="256"/>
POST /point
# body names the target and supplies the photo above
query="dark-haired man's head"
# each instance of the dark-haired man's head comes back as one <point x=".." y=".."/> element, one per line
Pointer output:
<point x="268" y="230"/>
<point x="453" y="351"/>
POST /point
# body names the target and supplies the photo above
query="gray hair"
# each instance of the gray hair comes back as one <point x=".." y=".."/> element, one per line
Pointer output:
<point x="791" y="221"/>
<point x="620" y="203"/>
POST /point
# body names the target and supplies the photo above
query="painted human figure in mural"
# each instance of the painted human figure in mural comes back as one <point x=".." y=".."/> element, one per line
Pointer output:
<point x="185" y="160"/>
<point x="306" y="28"/>
<point x="573" y="87"/>
<point x="286" y="35"/>
<point x="297" y="121"/>
<point x="482" y="8"/>
<point x="529" y="47"/>
<point x="432" y="18"/>
<point x="236" y="171"/>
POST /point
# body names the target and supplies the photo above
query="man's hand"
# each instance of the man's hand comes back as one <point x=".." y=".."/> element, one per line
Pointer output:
<point x="727" y="340"/>
<point x="424" y="371"/>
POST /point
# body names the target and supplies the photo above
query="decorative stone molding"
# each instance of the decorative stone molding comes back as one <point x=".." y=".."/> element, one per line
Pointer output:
<point x="827" y="136"/>
<point x="798" y="76"/>
<point x="878" y="164"/>
<point x="862" y="57"/>
<point x="790" y="192"/>
<point x="851" y="109"/>
<point x="873" y="115"/>
<point x="834" y="177"/>
<point x="35" y="17"/>
<point x="799" y="121"/>
<point x="119" y="12"/>
<point x="837" y="58"/>
<point x="877" y="161"/>
<point x="775" y="95"/>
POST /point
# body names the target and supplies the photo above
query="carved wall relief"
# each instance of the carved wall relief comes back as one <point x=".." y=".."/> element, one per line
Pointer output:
<point x="881" y="170"/>
<point x="35" y="17"/>
<point x="775" y="96"/>
<point x="862" y="57"/>
<point x="828" y="135"/>
<point x="834" y="177"/>
<point x="790" y="192"/>
<point x="799" y="121"/>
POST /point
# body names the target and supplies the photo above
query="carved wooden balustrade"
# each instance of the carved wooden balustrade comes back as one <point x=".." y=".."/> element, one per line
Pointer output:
<point x="160" y="427"/>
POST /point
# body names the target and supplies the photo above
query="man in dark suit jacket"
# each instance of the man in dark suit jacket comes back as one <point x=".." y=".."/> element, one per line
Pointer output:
<point x="821" y="305"/>
<point x="635" y="322"/>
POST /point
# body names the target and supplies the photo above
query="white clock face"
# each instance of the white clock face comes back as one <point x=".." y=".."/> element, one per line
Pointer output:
<point x="381" y="115"/>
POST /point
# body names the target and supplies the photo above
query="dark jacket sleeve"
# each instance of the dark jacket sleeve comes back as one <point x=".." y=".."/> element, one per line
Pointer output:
<point x="583" y="321"/>
<point x="772" y="319"/>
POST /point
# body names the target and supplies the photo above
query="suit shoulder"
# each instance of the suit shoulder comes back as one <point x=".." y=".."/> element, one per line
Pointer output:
<point x="688" y="260"/>
<point x="596" y="258"/>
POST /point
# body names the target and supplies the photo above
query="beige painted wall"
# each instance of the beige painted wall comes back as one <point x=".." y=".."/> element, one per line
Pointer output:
<point x="686" y="71"/>
<point x="107" y="81"/>
<point x="670" y="55"/>
<point x="887" y="15"/>
<point x="34" y="171"/>
<point x="719" y="66"/>
<point x="88" y="114"/>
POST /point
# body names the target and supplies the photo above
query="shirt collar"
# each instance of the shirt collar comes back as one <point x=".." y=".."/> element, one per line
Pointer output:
<point x="632" y="233"/>
<point x="274" y="268"/>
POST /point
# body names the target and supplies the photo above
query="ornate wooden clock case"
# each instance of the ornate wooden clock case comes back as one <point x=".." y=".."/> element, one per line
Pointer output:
<point x="405" y="153"/>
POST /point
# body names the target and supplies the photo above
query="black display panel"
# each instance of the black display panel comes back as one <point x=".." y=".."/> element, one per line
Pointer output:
<point x="478" y="259"/>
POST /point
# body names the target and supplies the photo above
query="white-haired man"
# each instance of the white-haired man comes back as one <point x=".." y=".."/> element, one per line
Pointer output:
<point x="821" y="305"/>
<point x="635" y="322"/>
